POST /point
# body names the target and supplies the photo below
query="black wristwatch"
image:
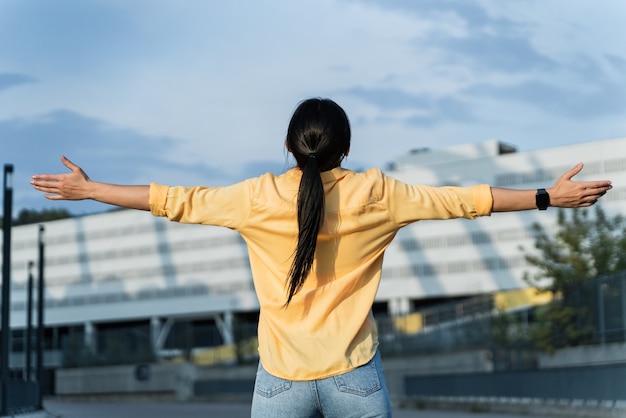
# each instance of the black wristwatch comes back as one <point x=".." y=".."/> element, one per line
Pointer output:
<point x="542" y="199"/>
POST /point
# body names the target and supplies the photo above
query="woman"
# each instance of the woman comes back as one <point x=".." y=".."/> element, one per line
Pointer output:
<point x="316" y="236"/>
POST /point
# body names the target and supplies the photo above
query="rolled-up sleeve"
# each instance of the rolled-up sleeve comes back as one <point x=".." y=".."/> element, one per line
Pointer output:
<point x="158" y="197"/>
<point x="411" y="203"/>
<point x="483" y="199"/>
<point x="220" y="206"/>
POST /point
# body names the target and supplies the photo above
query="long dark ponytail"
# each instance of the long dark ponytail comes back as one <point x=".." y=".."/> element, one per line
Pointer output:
<point x="319" y="137"/>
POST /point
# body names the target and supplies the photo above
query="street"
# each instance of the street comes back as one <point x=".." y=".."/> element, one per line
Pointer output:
<point x="154" y="409"/>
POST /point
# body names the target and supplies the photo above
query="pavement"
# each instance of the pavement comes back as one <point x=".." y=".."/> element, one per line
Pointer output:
<point x="115" y="408"/>
<point x="156" y="409"/>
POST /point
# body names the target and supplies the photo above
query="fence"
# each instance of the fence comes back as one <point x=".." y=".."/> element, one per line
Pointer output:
<point x="599" y="307"/>
<point x="595" y="310"/>
<point x="598" y="383"/>
<point x="470" y="324"/>
<point x="21" y="395"/>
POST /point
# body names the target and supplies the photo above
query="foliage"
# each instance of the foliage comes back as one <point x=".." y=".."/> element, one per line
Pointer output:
<point x="507" y="330"/>
<point x="583" y="248"/>
<point x="31" y="216"/>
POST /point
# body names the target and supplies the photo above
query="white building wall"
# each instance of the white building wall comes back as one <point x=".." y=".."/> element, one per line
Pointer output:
<point x="125" y="265"/>
<point x="455" y="258"/>
<point x="461" y="257"/>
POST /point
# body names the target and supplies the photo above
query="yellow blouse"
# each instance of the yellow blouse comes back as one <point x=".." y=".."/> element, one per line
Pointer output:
<point x="328" y="327"/>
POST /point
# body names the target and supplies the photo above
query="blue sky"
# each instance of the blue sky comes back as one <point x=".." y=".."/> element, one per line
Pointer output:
<point x="200" y="92"/>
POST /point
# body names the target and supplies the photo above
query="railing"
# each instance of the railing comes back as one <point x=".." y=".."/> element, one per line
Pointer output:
<point x="21" y="396"/>
<point x="597" y="306"/>
<point x="583" y="384"/>
<point x="474" y="323"/>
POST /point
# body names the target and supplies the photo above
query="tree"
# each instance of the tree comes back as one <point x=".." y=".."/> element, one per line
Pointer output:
<point x="583" y="248"/>
<point x="31" y="216"/>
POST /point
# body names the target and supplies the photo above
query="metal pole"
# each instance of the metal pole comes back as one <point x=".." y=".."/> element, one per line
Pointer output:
<point x="40" y="329"/>
<point x="29" y="321"/>
<point x="624" y="306"/>
<point x="601" y="321"/>
<point x="6" y="286"/>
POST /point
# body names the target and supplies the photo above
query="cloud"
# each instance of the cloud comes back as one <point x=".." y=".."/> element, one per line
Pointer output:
<point x="106" y="152"/>
<point x="489" y="53"/>
<point x="202" y="94"/>
<point x="8" y="80"/>
<point x="604" y="100"/>
<point x="616" y="63"/>
<point x="492" y="56"/>
<point x="473" y="16"/>
<point x="468" y="36"/>
<point x="424" y="110"/>
<point x="257" y="167"/>
<point x="67" y="132"/>
<point x="431" y="7"/>
<point x="585" y="89"/>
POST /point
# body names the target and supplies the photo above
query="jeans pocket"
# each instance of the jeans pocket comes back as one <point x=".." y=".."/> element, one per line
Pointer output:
<point x="361" y="381"/>
<point x="268" y="385"/>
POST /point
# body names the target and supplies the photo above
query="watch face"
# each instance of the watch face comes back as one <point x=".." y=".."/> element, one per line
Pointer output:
<point x="542" y="199"/>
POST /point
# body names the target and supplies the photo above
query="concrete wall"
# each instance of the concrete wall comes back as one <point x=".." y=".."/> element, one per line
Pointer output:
<point x="170" y="380"/>
<point x="593" y="355"/>
<point x="397" y="369"/>
<point x="186" y="381"/>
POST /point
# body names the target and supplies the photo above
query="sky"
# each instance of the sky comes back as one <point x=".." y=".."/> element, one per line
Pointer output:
<point x="200" y="92"/>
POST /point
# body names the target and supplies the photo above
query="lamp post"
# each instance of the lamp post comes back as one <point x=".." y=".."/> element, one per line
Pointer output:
<point x="6" y="285"/>
<point x="40" y="329"/>
<point x="29" y="321"/>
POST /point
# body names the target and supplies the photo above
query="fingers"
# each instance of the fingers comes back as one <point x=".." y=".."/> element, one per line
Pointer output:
<point x="65" y="186"/>
<point x="567" y="176"/>
<point x="48" y="183"/>
<point x="38" y="179"/>
<point x="56" y="177"/>
<point x="592" y="191"/>
<point x="595" y="190"/>
<point x="66" y="162"/>
<point x="569" y="193"/>
<point x="572" y="172"/>
<point x="53" y="187"/>
<point x="44" y="177"/>
<point x="45" y="183"/>
<point x="46" y="186"/>
<point x="53" y="197"/>
<point x="73" y="167"/>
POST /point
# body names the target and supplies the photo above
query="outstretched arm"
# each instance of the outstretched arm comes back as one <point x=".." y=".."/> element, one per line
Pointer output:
<point x="565" y="193"/>
<point x="76" y="185"/>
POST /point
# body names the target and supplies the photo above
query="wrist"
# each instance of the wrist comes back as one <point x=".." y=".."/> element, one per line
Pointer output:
<point x="93" y="190"/>
<point x="542" y="199"/>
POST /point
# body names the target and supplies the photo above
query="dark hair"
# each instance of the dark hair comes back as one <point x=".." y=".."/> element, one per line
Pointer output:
<point x="319" y="138"/>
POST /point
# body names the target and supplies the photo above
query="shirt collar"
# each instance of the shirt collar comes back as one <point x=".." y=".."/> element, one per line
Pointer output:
<point x="329" y="176"/>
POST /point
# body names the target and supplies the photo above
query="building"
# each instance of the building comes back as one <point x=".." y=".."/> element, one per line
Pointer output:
<point x="124" y="283"/>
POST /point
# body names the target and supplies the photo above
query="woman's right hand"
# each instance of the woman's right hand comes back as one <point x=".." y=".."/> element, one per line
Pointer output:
<point x="74" y="185"/>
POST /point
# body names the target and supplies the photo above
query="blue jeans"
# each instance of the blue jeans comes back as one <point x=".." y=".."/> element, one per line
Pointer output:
<point x="359" y="393"/>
